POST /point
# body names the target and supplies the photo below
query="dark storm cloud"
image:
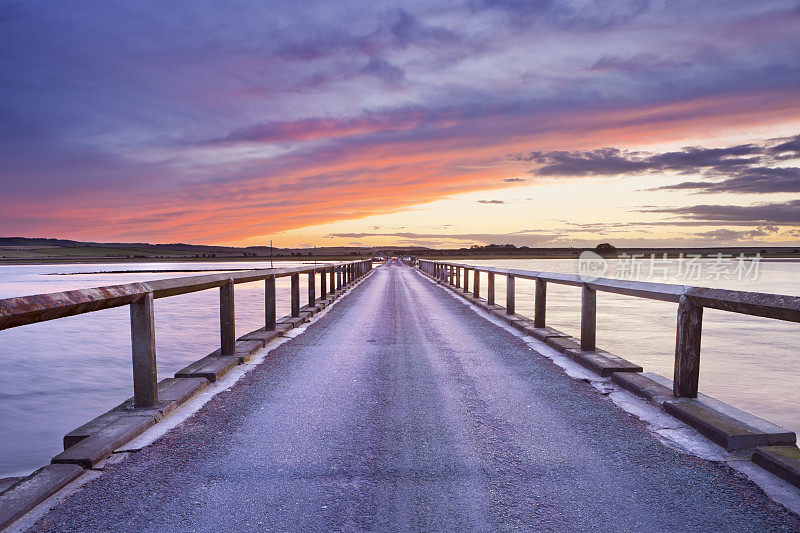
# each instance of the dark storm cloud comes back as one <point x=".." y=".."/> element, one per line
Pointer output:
<point x="735" y="169"/>
<point x="785" y="213"/>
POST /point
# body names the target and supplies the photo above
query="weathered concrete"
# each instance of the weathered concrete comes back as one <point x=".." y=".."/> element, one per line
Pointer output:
<point x="601" y="362"/>
<point x="783" y="461"/>
<point x="643" y="386"/>
<point x="172" y="392"/>
<point x="415" y="414"/>
<point x="244" y="349"/>
<point x="264" y="335"/>
<point x="33" y="490"/>
<point x="729" y="432"/>
<point x="562" y="344"/>
<point x="212" y="367"/>
<point x="7" y="482"/>
<point x="294" y="321"/>
<point x="99" y="445"/>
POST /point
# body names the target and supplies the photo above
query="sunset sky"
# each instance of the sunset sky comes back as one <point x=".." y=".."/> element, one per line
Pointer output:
<point x="433" y="123"/>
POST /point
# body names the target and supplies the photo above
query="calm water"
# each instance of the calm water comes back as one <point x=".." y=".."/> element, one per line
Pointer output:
<point x="58" y="375"/>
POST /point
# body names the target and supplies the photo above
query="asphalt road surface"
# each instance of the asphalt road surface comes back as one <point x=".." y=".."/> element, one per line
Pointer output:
<point x="401" y="409"/>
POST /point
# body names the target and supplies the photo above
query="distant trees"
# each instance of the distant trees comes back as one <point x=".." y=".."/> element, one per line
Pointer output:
<point x="605" y="248"/>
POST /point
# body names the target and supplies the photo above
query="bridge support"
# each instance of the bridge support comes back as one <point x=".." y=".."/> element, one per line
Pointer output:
<point x="295" y="295"/>
<point x="687" y="349"/>
<point x="269" y="304"/>
<point x="143" y="348"/>
<point x="227" y="319"/>
<point x="540" y="304"/>
<point x="510" y="295"/>
<point x="588" y="319"/>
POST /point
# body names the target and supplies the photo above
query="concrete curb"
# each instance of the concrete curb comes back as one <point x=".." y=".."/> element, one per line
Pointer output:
<point x="729" y="432"/>
<point x="100" y="444"/>
<point x="601" y="362"/>
<point x="641" y="385"/>
<point x="172" y="392"/>
<point x="783" y="461"/>
<point x="29" y="492"/>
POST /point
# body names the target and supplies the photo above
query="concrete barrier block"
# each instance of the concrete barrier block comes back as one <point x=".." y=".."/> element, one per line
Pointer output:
<point x="293" y="322"/>
<point x="601" y="362"/>
<point x="8" y="482"/>
<point x="644" y="387"/>
<point x="99" y="445"/>
<point x="783" y="461"/>
<point x="178" y="390"/>
<point x="523" y="325"/>
<point x="261" y="334"/>
<point x="562" y="344"/>
<point x="210" y="367"/>
<point x="244" y="349"/>
<point x="545" y="333"/>
<point x="501" y="313"/>
<point x="729" y="432"/>
<point x="29" y="492"/>
<point x="172" y="392"/>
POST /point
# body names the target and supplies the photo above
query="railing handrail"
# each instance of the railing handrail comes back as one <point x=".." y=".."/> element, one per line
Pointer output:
<point x="767" y="305"/>
<point x="23" y="310"/>
<point x="691" y="301"/>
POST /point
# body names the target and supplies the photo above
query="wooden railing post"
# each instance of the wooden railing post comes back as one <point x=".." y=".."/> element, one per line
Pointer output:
<point x="466" y="280"/>
<point x="227" y="319"/>
<point x="490" y="288"/>
<point x="588" y="319"/>
<point x="540" y="304"/>
<point x="332" y="275"/>
<point x="323" y="284"/>
<point x="143" y="350"/>
<point x="458" y="276"/>
<point x="687" y="349"/>
<point x="295" y="294"/>
<point x="269" y="304"/>
<point x="312" y="288"/>
<point x="510" y="295"/>
<point x="476" y="284"/>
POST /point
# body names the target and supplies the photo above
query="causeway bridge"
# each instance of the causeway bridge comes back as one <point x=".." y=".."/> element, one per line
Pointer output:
<point x="406" y="398"/>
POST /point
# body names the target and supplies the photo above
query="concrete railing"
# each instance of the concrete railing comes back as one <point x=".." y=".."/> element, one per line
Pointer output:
<point x="691" y="302"/>
<point x="139" y="296"/>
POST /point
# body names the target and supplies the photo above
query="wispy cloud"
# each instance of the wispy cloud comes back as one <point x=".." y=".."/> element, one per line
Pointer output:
<point x="784" y="213"/>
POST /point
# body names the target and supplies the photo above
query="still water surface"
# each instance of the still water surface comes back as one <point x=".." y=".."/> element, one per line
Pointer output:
<point x="58" y="375"/>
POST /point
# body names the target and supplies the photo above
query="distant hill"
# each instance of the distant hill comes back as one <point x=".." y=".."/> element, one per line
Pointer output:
<point x="31" y="249"/>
